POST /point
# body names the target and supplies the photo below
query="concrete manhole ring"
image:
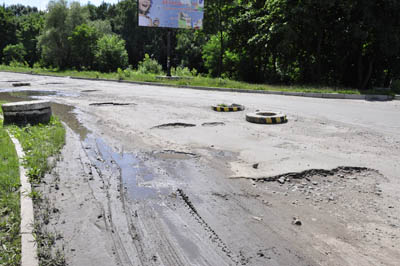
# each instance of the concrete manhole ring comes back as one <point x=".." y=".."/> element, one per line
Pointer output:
<point x="27" y="112"/>
<point x="227" y="108"/>
<point x="266" y="117"/>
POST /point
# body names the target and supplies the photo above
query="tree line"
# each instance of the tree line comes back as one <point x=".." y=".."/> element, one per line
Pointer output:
<point x="354" y="43"/>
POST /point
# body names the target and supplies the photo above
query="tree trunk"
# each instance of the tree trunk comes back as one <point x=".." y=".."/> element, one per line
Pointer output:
<point x="367" y="76"/>
<point x="317" y="69"/>
<point x="360" y="71"/>
<point x="388" y="79"/>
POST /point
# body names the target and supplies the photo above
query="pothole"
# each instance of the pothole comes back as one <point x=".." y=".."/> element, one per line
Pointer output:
<point x="20" y="84"/>
<point x="282" y="178"/>
<point x="175" y="155"/>
<point x="53" y="83"/>
<point x="111" y="103"/>
<point x="89" y="90"/>
<point x="213" y="124"/>
<point x="174" y="125"/>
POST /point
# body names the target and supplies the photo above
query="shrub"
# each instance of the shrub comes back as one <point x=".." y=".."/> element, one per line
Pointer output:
<point x="182" y="71"/>
<point x="14" y="52"/>
<point x="111" y="53"/>
<point x="395" y="86"/>
<point x="149" y="66"/>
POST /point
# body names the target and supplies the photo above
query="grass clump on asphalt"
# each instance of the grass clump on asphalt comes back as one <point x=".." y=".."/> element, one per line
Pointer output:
<point x="10" y="240"/>
<point x="189" y="78"/>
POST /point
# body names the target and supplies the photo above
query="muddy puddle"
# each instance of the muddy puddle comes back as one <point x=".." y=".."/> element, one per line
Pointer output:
<point x="135" y="176"/>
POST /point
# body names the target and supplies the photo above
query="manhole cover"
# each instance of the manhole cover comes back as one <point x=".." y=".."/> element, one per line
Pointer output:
<point x="266" y="117"/>
<point x="227" y="108"/>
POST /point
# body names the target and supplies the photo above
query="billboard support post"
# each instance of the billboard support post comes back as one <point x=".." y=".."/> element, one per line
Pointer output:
<point x="169" y="53"/>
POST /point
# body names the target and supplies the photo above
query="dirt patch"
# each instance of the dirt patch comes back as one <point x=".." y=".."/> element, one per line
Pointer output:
<point x="342" y="212"/>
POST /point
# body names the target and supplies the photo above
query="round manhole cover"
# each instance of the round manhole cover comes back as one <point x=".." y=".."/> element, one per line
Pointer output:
<point x="227" y="108"/>
<point x="266" y="117"/>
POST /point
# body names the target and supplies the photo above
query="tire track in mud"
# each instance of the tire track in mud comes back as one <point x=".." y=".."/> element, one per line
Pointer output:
<point x="107" y="168"/>
<point x="168" y="254"/>
<point x="119" y="246"/>
<point x="237" y="259"/>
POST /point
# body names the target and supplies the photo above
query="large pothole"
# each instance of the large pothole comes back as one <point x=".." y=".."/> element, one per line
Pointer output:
<point x="174" y="125"/>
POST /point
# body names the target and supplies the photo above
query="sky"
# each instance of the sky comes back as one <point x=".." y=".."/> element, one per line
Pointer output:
<point x="42" y="4"/>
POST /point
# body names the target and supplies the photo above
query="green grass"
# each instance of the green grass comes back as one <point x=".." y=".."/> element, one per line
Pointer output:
<point x="10" y="240"/>
<point x="39" y="143"/>
<point x="189" y="81"/>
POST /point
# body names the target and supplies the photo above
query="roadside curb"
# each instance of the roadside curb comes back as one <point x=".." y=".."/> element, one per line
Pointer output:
<point x="368" y="97"/>
<point x="372" y="97"/>
<point x="28" y="243"/>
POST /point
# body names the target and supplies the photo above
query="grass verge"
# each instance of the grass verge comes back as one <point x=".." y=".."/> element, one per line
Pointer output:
<point x="40" y="143"/>
<point x="198" y="81"/>
<point x="10" y="240"/>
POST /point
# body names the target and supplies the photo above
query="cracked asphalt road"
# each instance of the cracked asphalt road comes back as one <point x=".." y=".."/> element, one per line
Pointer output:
<point x="133" y="192"/>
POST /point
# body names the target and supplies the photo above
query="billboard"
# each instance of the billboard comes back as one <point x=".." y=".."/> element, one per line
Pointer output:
<point x="187" y="14"/>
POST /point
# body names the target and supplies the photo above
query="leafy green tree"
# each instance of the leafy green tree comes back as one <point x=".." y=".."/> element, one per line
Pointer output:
<point x="77" y="15"/>
<point x="20" y="10"/>
<point x="60" y="21"/>
<point x="83" y="42"/>
<point x="14" y="52"/>
<point x="189" y="48"/>
<point x="211" y="55"/>
<point x="53" y="41"/>
<point x="28" y="29"/>
<point x="102" y="26"/>
<point x="111" y="53"/>
<point x="7" y="29"/>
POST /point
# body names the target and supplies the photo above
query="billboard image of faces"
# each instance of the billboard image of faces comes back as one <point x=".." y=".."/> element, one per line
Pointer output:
<point x="186" y="14"/>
